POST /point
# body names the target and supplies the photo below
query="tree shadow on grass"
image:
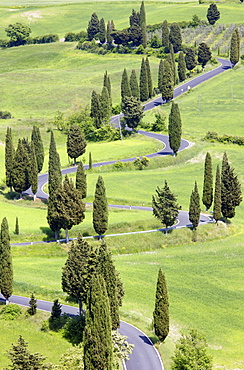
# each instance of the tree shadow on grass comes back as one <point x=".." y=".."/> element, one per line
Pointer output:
<point x="48" y="232"/>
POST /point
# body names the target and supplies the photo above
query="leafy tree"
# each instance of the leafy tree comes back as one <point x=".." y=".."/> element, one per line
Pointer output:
<point x="121" y="348"/>
<point x="78" y="270"/>
<point x="121" y="37"/>
<point x="204" y="54"/>
<point x="190" y="59"/>
<point x="194" y="208"/>
<point x="165" y="206"/>
<point x="174" y="128"/>
<point x="93" y="27"/>
<point x="181" y="67"/>
<point x="39" y="148"/>
<point x="33" y="171"/>
<point x="16" y="231"/>
<point x="9" y="158"/>
<point x="22" y="359"/>
<point x="100" y="208"/>
<point x="33" y="305"/>
<point x="125" y="86"/>
<point x="230" y="189"/>
<point x="102" y="31"/>
<point x="20" y="170"/>
<point x="105" y="103"/>
<point x="161" y="311"/>
<point x="165" y="34"/>
<point x="18" y="34"/>
<point x="133" y="112"/>
<point x="80" y="182"/>
<point x="167" y="83"/>
<point x="107" y="270"/>
<point x="6" y="268"/>
<point x="160" y="75"/>
<point x="76" y="143"/>
<point x="143" y="81"/>
<point x="213" y="13"/>
<point x="149" y="78"/>
<point x="97" y="336"/>
<point x="96" y="110"/>
<point x="207" y="196"/>
<point x="191" y="353"/>
<point x="217" y="196"/>
<point x="56" y="310"/>
<point x="175" y="36"/>
<point x="134" y="85"/>
<point x="235" y="47"/>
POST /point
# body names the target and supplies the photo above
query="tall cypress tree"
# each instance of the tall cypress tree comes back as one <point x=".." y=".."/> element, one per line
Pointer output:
<point x="194" y="208"/>
<point x="175" y="36"/>
<point x="78" y="270"/>
<point x="96" y="111"/>
<point x="207" y="196"/>
<point x="125" y="86"/>
<point x="181" y="67"/>
<point x="165" y="34"/>
<point x="9" y="158"/>
<point x="105" y="105"/>
<point x="149" y="78"/>
<point x="93" y="27"/>
<point x="217" y="196"/>
<point x="107" y="269"/>
<point x="97" y="334"/>
<point x="20" y="170"/>
<point x="100" y="208"/>
<point x="174" y="128"/>
<point x="167" y="83"/>
<point x="109" y="37"/>
<point x="6" y="268"/>
<point x="144" y="35"/>
<point x="102" y="31"/>
<point x="235" y="47"/>
<point x="161" y="311"/>
<point x="33" y="171"/>
<point x="32" y="305"/>
<point x="190" y="59"/>
<point x="106" y="82"/>
<point x="39" y="148"/>
<point x="230" y="189"/>
<point x="143" y="82"/>
<point x="143" y="24"/>
<point x="172" y="63"/>
<point x="80" y="181"/>
<point x="134" y="85"/>
<point x="160" y="75"/>
<point x="76" y="143"/>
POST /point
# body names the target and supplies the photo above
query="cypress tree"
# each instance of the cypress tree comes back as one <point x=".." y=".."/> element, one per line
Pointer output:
<point x="175" y="36"/>
<point x="213" y="13"/>
<point x="217" y="196"/>
<point x="204" y="54"/>
<point x="149" y="78"/>
<point x="161" y="311"/>
<point x="109" y="37"/>
<point x="78" y="270"/>
<point x="100" y="208"/>
<point x="160" y="75"/>
<point x="9" y="158"/>
<point x="234" y="47"/>
<point x="106" y="82"/>
<point x="125" y="87"/>
<point x="105" y="105"/>
<point x="93" y="27"/>
<point x="165" y="206"/>
<point x="33" y="171"/>
<point x="39" y="148"/>
<point x="230" y="189"/>
<point x="143" y="82"/>
<point x="80" y="181"/>
<point x="133" y="112"/>
<point x="135" y="30"/>
<point x="97" y="334"/>
<point x="16" y="231"/>
<point x="190" y="59"/>
<point x="174" y="128"/>
<point x="33" y="305"/>
<point x="142" y="14"/>
<point x="134" y="85"/>
<point x="181" y="67"/>
<point x="96" y="110"/>
<point x="172" y="63"/>
<point x="76" y="143"/>
<point x="20" y="170"/>
<point x="194" y="208"/>
<point x="102" y="31"/>
<point x="167" y="83"/>
<point x="90" y="161"/>
<point x="165" y="34"/>
<point x="6" y="268"/>
<point x="144" y="35"/>
<point x="207" y="196"/>
<point x="107" y="270"/>
<point x="56" y="310"/>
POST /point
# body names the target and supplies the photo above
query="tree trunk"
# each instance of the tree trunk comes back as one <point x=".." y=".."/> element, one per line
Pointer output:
<point x="67" y="235"/>
<point x="74" y="161"/>
<point x="34" y="197"/>
<point x="80" y="307"/>
<point x="56" y="234"/>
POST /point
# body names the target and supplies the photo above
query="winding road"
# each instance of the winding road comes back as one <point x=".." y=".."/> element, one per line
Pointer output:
<point x="144" y="356"/>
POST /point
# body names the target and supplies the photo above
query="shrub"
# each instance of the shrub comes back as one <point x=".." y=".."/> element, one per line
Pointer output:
<point x="5" y="115"/>
<point x="10" y="312"/>
<point x="141" y="163"/>
<point x="73" y="330"/>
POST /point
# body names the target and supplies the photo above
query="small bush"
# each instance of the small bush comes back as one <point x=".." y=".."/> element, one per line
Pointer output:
<point x="73" y="330"/>
<point x="5" y="115"/>
<point x="10" y="312"/>
<point x="141" y="163"/>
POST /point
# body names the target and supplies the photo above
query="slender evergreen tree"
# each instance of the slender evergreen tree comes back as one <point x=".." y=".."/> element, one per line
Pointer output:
<point x="33" y="171"/>
<point x="204" y="54"/>
<point x="90" y="161"/>
<point x="109" y="37"/>
<point x="102" y="31"/>
<point x="165" y="34"/>
<point x="107" y="269"/>
<point x="6" y="268"/>
<point x="161" y="311"/>
<point x="213" y="13"/>
<point x="144" y="35"/>
<point x="93" y="27"/>
<point x="80" y="181"/>
<point x="20" y="170"/>
<point x="172" y="63"/>
<point x="16" y="231"/>
<point x="100" y="208"/>
<point x="97" y="334"/>
<point x="39" y="147"/>
<point x="181" y="67"/>
<point x="96" y="111"/>
<point x="56" y="310"/>
<point x="76" y="143"/>
<point x="194" y="208"/>
<point x="165" y="206"/>
<point x="135" y="30"/>
<point x="9" y="158"/>
<point x="160" y="75"/>
<point x="105" y="105"/>
<point x="149" y="78"/>
<point x="125" y="86"/>
<point x="107" y="83"/>
<point x="143" y="82"/>
<point x="235" y="47"/>
<point x="190" y="59"/>
<point x="78" y="270"/>
<point x="32" y="305"/>
<point x="207" y="196"/>
<point x="167" y="83"/>
<point x="142" y="14"/>
<point x="230" y="189"/>
<point x="134" y="85"/>
<point x="174" y="128"/>
<point x="217" y="196"/>
<point x="175" y="36"/>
